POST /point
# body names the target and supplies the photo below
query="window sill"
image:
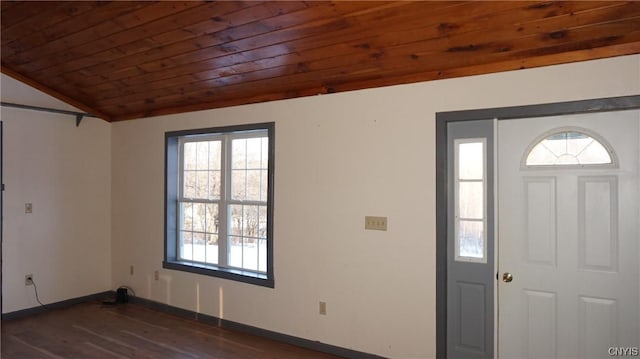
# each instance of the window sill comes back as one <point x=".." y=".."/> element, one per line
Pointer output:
<point x="239" y="275"/>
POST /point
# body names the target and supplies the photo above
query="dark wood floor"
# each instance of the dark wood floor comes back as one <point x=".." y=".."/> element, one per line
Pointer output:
<point x="93" y="330"/>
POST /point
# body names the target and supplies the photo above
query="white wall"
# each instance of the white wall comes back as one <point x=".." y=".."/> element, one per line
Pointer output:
<point x="338" y="158"/>
<point x="64" y="172"/>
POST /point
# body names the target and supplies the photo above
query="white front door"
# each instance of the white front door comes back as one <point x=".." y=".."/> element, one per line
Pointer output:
<point x="568" y="234"/>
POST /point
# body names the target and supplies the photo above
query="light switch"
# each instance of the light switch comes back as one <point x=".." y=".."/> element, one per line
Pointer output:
<point x="375" y="223"/>
<point x="28" y="208"/>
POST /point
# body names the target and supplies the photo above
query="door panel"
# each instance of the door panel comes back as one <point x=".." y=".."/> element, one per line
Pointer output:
<point x="597" y="223"/>
<point x="569" y="237"/>
<point x="540" y="206"/>
<point x="472" y="316"/>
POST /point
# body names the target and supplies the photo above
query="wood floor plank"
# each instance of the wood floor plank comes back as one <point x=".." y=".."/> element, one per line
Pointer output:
<point x="25" y="343"/>
<point x="92" y="330"/>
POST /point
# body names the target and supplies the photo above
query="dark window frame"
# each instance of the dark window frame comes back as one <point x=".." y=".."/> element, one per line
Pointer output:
<point x="172" y="175"/>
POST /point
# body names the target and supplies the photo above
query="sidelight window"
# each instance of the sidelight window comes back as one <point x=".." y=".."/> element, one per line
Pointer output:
<point x="470" y="200"/>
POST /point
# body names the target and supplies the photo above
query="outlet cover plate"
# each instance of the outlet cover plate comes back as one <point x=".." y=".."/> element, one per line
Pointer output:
<point x="323" y="308"/>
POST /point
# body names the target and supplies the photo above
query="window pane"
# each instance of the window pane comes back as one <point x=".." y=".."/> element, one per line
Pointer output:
<point x="247" y="242"/>
<point x="235" y="220"/>
<point x="189" y="156"/>
<point x="199" y="217"/>
<point x="264" y="185"/>
<point x="595" y="153"/>
<point x="185" y="247"/>
<point x="215" y="155"/>
<point x="186" y="210"/>
<point x="248" y="182"/>
<point x="540" y="155"/>
<point x="202" y="170"/>
<point x="262" y="222"/>
<point x="251" y="221"/>
<point x="238" y="184"/>
<point x="214" y="184"/>
<point x="189" y="184"/>
<point x="262" y="255"/>
<point x="248" y="221"/>
<point x="471" y="160"/>
<point x="471" y="239"/>
<point x="202" y="185"/>
<point x="202" y="155"/>
<point x="471" y="200"/>
<point x="199" y="248"/>
<point x="249" y="185"/>
<point x="238" y="153"/>
<point x="568" y="148"/>
<point x="235" y="251"/>
<point x="212" y="249"/>
<point x="265" y="152"/>
<point x="557" y="144"/>
<point x="250" y="254"/>
<point x="254" y="153"/>
<point x="578" y="142"/>
<point x="254" y="180"/>
<point x="212" y="218"/>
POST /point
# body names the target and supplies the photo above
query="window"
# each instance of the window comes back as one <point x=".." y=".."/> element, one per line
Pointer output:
<point x="219" y="185"/>
<point x="470" y="199"/>
<point x="569" y="147"/>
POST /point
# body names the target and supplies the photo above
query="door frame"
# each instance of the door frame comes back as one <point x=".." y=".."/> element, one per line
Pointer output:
<point x="442" y="188"/>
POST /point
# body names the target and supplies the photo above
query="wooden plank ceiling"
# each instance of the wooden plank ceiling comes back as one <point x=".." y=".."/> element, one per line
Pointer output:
<point x="124" y="60"/>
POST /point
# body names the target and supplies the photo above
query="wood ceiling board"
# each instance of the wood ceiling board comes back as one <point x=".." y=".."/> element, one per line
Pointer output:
<point x="234" y="60"/>
<point x="164" y="58"/>
<point x="42" y="20"/>
<point x="58" y="37"/>
<point x="508" y="65"/>
<point x="142" y="63"/>
<point x="501" y="41"/>
<point x="107" y="35"/>
<point x="121" y="49"/>
<point x="133" y="59"/>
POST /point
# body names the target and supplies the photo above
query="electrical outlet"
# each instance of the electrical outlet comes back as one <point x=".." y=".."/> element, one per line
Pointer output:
<point x="28" y="279"/>
<point x="28" y="208"/>
<point x="375" y="223"/>
<point x="323" y="308"/>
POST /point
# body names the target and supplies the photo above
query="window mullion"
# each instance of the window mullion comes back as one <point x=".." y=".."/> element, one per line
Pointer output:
<point x="198" y="200"/>
<point x="247" y="203"/>
<point x="223" y="209"/>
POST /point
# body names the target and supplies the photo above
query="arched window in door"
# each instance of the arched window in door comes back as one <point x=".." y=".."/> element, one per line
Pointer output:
<point x="571" y="147"/>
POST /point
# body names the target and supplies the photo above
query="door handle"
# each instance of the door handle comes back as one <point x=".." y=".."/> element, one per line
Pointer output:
<point x="507" y="277"/>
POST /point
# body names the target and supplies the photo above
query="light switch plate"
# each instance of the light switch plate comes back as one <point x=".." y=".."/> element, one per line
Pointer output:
<point x="375" y="223"/>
